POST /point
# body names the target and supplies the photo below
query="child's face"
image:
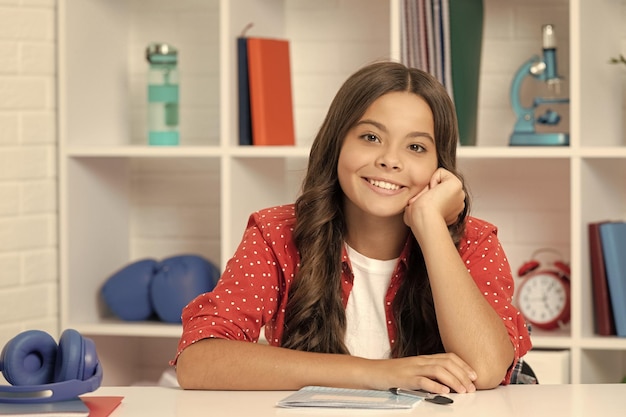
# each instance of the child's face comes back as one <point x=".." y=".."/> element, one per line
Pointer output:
<point x="389" y="156"/>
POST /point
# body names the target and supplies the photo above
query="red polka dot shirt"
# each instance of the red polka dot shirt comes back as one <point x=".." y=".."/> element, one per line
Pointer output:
<point x="252" y="292"/>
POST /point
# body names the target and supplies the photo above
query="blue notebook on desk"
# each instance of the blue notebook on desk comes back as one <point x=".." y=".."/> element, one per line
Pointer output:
<point x="69" y="408"/>
<point x="326" y="397"/>
<point x="613" y="236"/>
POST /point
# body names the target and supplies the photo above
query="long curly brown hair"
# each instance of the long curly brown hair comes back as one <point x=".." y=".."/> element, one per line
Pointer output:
<point x="315" y="317"/>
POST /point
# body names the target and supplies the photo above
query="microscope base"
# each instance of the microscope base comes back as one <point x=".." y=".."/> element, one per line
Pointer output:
<point x="539" y="139"/>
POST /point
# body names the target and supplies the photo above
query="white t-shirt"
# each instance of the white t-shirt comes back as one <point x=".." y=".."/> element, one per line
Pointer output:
<point x="366" y="333"/>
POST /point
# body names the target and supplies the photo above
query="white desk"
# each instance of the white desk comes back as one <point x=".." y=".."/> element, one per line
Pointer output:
<point x="607" y="400"/>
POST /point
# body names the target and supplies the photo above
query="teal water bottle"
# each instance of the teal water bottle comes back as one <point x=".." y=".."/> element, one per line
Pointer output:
<point x="162" y="94"/>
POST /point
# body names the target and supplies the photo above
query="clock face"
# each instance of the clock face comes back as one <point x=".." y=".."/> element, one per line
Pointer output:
<point x="542" y="298"/>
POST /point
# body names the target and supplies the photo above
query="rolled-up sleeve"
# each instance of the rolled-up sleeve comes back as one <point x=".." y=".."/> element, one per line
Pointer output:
<point x="249" y="292"/>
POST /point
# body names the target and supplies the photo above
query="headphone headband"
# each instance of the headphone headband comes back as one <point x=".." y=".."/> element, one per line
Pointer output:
<point x="46" y="393"/>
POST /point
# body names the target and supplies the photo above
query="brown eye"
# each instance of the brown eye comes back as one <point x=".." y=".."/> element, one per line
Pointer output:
<point x="370" y="137"/>
<point x="417" y="148"/>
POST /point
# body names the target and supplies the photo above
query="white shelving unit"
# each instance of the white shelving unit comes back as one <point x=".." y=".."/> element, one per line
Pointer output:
<point x="112" y="185"/>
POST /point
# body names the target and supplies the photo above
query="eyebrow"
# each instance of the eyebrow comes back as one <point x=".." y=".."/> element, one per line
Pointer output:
<point x="382" y="127"/>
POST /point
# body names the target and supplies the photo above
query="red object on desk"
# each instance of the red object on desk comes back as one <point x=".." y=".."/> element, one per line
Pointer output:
<point x="101" y="406"/>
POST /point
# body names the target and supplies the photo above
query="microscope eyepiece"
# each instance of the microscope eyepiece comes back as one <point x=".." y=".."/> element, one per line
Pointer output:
<point x="549" y="37"/>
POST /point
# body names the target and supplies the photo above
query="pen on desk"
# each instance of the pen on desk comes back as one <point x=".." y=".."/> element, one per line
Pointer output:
<point x="427" y="396"/>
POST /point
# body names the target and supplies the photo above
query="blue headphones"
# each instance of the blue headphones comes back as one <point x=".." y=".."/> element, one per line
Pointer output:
<point x="41" y="371"/>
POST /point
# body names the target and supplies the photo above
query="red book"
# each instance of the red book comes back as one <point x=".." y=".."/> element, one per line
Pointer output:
<point x="101" y="406"/>
<point x="271" y="106"/>
<point x="603" y="311"/>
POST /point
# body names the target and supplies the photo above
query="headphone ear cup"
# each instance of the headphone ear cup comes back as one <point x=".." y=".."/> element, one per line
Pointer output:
<point x="70" y="363"/>
<point x="76" y="357"/>
<point x="90" y="358"/>
<point x="29" y="358"/>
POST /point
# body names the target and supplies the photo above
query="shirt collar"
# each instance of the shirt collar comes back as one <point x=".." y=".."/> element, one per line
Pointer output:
<point x="404" y="255"/>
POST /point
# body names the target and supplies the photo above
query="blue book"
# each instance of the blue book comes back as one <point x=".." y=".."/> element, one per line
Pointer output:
<point x="69" y="408"/>
<point x="613" y="236"/>
<point x="245" y="121"/>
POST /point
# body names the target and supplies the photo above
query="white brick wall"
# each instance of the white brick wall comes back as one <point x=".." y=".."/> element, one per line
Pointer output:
<point x="28" y="206"/>
<point x="175" y="208"/>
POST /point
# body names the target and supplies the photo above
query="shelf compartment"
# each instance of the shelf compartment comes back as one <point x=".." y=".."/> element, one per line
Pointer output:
<point x="133" y="360"/>
<point x="103" y="68"/>
<point x="602" y="366"/>
<point x="513" y="193"/>
<point x="598" y="102"/>
<point x="328" y="42"/>
<point x="602" y="197"/>
<point x="261" y="182"/>
<point x="135" y="208"/>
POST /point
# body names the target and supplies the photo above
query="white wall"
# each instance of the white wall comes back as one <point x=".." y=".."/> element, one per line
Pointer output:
<point x="28" y="213"/>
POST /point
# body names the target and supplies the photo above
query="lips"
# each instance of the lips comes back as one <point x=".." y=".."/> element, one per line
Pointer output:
<point x="384" y="185"/>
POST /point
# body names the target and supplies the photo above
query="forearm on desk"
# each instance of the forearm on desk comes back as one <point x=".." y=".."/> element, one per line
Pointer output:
<point x="218" y="364"/>
<point x="469" y="326"/>
<point x="482" y="341"/>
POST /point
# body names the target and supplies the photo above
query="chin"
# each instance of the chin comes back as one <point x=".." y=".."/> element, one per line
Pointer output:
<point x="385" y="213"/>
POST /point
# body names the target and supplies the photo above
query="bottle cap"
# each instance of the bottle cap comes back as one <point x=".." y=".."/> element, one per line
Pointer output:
<point x="160" y="52"/>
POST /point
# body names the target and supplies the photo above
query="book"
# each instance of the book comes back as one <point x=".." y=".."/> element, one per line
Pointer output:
<point x="604" y="324"/>
<point x="91" y="406"/>
<point x="243" y="93"/>
<point x="68" y="408"/>
<point x="271" y="104"/>
<point x="326" y="397"/>
<point x="613" y="237"/>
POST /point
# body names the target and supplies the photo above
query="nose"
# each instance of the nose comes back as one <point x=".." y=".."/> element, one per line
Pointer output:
<point x="388" y="159"/>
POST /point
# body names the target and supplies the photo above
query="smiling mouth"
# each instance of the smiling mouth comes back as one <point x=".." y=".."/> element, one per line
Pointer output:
<point x="384" y="185"/>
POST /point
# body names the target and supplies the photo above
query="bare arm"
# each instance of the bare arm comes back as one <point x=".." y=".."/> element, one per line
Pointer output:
<point x="221" y="364"/>
<point x="468" y="325"/>
<point x="228" y="364"/>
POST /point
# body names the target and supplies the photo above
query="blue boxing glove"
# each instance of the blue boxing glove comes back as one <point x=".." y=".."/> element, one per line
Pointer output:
<point x="127" y="292"/>
<point x="177" y="281"/>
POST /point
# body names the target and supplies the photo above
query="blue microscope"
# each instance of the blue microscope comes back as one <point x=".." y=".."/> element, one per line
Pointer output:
<point x="543" y="69"/>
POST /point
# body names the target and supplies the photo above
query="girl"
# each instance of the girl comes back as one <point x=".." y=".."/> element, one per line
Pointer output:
<point x="376" y="277"/>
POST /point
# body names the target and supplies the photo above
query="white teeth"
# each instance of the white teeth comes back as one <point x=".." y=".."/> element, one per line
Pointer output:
<point x="385" y="185"/>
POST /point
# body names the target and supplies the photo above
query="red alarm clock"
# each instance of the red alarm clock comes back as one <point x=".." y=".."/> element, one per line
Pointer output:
<point x="543" y="296"/>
